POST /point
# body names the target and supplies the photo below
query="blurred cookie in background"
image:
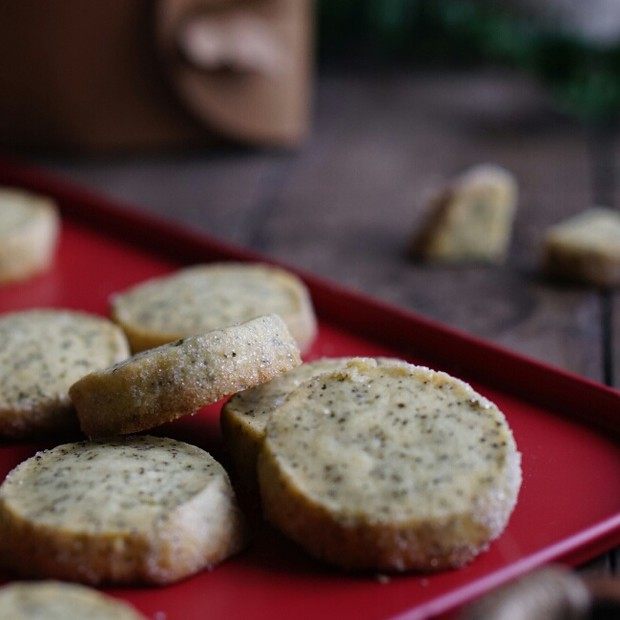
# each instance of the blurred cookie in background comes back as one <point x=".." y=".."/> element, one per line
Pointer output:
<point x="469" y="220"/>
<point x="585" y="248"/>
<point x="29" y="226"/>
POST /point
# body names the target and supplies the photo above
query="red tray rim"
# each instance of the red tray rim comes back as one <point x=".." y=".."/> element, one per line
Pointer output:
<point x="560" y="391"/>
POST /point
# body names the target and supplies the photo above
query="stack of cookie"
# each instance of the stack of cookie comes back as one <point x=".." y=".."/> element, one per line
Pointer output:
<point x="365" y="463"/>
<point x="376" y="464"/>
<point x="138" y="509"/>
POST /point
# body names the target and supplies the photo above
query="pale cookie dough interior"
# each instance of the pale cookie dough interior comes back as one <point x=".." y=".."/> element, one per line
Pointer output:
<point x="245" y="416"/>
<point x="55" y="600"/>
<point x="144" y="510"/>
<point x="389" y="468"/>
<point x="177" y="379"/>
<point x="207" y="297"/>
<point x="43" y="353"/>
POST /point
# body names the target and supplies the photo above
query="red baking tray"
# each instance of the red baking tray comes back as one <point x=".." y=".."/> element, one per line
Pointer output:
<point x="567" y="429"/>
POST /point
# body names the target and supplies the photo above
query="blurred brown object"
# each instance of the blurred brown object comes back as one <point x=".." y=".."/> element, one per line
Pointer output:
<point x="133" y="74"/>
<point x="552" y="593"/>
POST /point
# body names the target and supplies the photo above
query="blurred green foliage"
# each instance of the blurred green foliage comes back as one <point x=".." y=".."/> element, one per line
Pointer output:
<point x="583" y="77"/>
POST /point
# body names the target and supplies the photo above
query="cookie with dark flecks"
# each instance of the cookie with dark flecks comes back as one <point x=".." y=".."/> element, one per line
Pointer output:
<point x="245" y="416"/>
<point x="42" y="353"/>
<point x="162" y="384"/>
<point x="142" y="510"/>
<point x="54" y="600"/>
<point x="202" y="298"/>
<point x="391" y="467"/>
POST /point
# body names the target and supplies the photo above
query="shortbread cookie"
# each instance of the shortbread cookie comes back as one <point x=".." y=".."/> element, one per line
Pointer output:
<point x="28" y="233"/>
<point x="54" y="600"/>
<point x="389" y="468"/>
<point x="470" y="220"/>
<point x="207" y="297"/>
<point x="162" y="384"/>
<point x="144" y="510"/>
<point x="42" y="353"/>
<point x="586" y="248"/>
<point x="245" y="416"/>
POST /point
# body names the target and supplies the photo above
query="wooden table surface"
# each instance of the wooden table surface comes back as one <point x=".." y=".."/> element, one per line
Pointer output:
<point x="345" y="205"/>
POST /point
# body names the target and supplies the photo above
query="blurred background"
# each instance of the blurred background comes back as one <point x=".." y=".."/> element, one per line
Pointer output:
<point x="172" y="73"/>
<point x="314" y="131"/>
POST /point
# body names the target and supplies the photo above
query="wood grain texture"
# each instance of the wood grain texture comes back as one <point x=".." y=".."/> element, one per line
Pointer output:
<point x="355" y="194"/>
<point x="614" y="312"/>
<point x="219" y="193"/>
<point x="347" y="204"/>
<point x="615" y="339"/>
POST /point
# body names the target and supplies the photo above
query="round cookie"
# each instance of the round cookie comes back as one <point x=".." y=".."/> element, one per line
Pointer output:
<point x="389" y="468"/>
<point x="145" y="510"/>
<point x="28" y="233"/>
<point x="54" y="600"/>
<point x="244" y="417"/>
<point x="163" y="384"/>
<point x="43" y="353"/>
<point x="208" y="297"/>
